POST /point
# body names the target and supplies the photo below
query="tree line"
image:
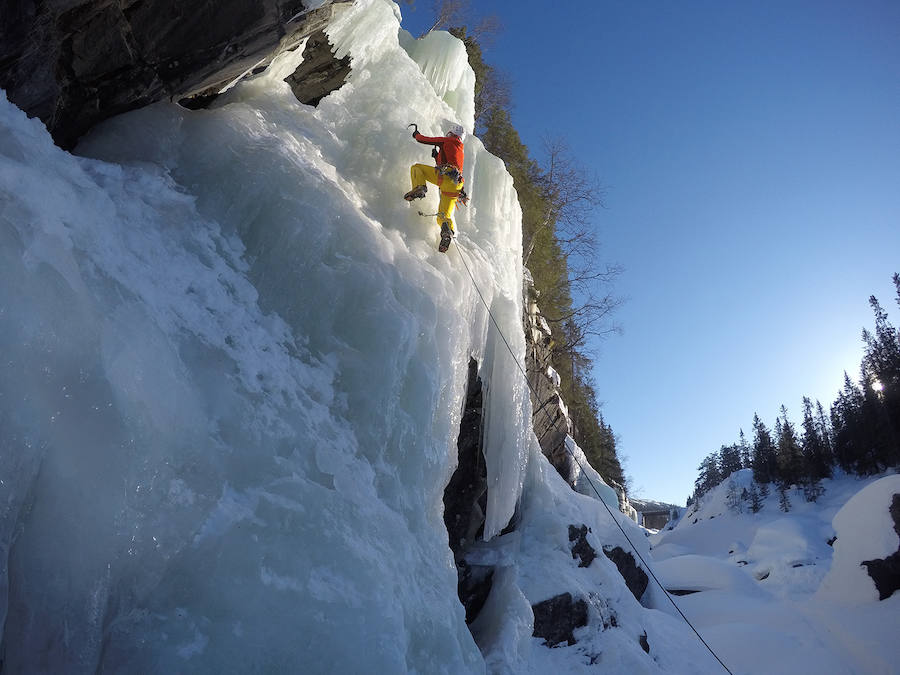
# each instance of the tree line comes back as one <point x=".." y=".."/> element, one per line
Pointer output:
<point x="859" y="435"/>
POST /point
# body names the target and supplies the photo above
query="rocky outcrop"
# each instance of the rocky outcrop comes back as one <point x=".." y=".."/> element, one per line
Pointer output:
<point x="73" y="63"/>
<point x="635" y="577"/>
<point x="465" y="497"/>
<point x="320" y="73"/>
<point x="556" y="619"/>
<point x="644" y="642"/>
<point x="885" y="572"/>
<point x="550" y="417"/>
<point x="465" y="501"/>
<point x="581" y="549"/>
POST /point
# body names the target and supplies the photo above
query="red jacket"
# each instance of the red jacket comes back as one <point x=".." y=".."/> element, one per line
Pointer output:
<point x="450" y="149"/>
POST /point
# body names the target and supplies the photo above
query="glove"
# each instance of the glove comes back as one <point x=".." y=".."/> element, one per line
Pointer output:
<point x="435" y="152"/>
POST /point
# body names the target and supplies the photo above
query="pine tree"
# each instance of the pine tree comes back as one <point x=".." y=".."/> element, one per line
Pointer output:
<point x="881" y="385"/>
<point x="745" y="452"/>
<point x="784" y="502"/>
<point x="764" y="459"/>
<point x="882" y="350"/>
<point x="756" y="502"/>
<point x="729" y="460"/>
<point x="709" y="477"/>
<point x="812" y="489"/>
<point x="847" y="423"/>
<point x="790" y="456"/>
<point x="861" y="441"/>
<point x="733" y="498"/>
<point x="823" y="428"/>
<point x="815" y="454"/>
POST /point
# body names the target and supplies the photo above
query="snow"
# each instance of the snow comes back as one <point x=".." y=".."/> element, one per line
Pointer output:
<point x="865" y="531"/>
<point x="691" y="572"/>
<point x="232" y="379"/>
<point x="587" y="480"/>
<point x="772" y="595"/>
<point x="553" y="376"/>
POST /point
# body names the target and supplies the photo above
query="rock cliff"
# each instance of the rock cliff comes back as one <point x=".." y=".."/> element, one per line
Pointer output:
<point x="550" y="417"/>
<point x="75" y="63"/>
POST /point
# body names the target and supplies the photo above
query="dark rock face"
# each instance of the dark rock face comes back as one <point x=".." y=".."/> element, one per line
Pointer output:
<point x="635" y="578"/>
<point x="474" y="587"/>
<point x="556" y="619"/>
<point x="465" y="500"/>
<point x="549" y="419"/>
<point x="73" y="63"/>
<point x="320" y="73"/>
<point x="886" y="571"/>
<point x="581" y="548"/>
<point x="465" y="497"/>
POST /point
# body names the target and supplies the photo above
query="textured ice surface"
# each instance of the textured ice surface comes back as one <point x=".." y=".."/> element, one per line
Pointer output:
<point x="232" y="380"/>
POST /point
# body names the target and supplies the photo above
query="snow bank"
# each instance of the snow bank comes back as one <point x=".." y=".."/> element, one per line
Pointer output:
<point x="702" y="573"/>
<point x="865" y="531"/>
<point x="610" y="641"/>
<point x="773" y="597"/>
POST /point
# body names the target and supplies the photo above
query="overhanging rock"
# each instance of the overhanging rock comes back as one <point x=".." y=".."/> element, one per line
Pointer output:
<point x="74" y="64"/>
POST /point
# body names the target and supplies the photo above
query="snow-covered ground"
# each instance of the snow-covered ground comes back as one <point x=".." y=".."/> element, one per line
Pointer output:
<point x="773" y="595"/>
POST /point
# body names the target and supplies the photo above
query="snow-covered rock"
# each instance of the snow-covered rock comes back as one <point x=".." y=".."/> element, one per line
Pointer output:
<point x="865" y="531"/>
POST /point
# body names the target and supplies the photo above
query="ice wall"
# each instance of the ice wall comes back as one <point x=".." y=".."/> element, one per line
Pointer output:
<point x="443" y="60"/>
<point x="233" y="377"/>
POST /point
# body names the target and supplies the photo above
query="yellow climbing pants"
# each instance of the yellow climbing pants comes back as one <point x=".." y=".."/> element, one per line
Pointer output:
<point x="420" y="173"/>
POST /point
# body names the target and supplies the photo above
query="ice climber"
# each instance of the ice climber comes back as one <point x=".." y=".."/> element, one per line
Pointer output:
<point x="446" y="174"/>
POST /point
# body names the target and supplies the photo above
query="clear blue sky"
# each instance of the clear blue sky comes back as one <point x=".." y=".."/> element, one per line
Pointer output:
<point x="751" y="155"/>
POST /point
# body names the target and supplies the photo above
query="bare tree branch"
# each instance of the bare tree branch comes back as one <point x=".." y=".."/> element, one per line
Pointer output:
<point x="572" y="194"/>
<point x="448" y="13"/>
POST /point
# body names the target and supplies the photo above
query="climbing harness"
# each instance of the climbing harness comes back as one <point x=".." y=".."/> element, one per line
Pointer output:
<point x="451" y="172"/>
<point x="594" y="487"/>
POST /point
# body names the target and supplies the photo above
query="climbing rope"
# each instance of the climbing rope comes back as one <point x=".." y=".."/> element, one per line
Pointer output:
<point x="594" y="487"/>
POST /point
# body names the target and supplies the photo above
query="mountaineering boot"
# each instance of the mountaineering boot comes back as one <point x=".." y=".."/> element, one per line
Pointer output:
<point x="416" y="193"/>
<point x="446" y="236"/>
